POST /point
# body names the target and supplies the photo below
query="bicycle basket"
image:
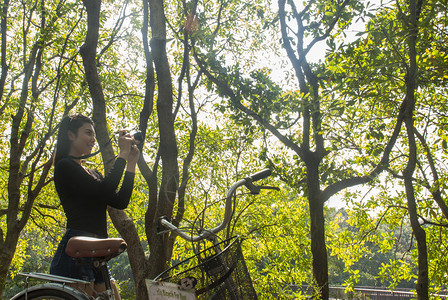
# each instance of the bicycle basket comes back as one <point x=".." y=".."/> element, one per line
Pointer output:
<point x="219" y="272"/>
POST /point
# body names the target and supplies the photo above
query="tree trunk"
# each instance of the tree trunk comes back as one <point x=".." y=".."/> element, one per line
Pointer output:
<point x="317" y="229"/>
<point x="122" y="222"/>
<point x="422" y="286"/>
<point x="161" y="246"/>
<point x="7" y="250"/>
<point x="16" y="219"/>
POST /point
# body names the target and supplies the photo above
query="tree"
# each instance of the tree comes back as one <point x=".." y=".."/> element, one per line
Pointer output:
<point x="165" y="185"/>
<point x="411" y="22"/>
<point x="296" y="118"/>
<point x="37" y="70"/>
<point x="398" y="44"/>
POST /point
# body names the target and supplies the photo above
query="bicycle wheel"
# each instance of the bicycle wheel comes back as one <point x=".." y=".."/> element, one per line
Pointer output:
<point x="52" y="291"/>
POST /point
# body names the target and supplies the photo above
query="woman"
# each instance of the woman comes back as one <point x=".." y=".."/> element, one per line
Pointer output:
<point x="85" y="193"/>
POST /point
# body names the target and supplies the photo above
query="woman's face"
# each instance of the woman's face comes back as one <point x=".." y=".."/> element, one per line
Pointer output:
<point x="83" y="141"/>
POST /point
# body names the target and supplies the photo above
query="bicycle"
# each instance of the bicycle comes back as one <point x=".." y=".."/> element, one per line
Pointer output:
<point x="220" y="271"/>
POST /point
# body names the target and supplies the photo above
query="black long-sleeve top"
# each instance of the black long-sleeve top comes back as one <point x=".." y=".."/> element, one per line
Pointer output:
<point x="85" y="194"/>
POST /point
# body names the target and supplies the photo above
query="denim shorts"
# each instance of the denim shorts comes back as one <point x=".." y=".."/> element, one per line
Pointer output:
<point x="79" y="268"/>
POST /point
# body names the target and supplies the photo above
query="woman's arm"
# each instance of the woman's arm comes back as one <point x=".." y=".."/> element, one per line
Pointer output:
<point x="72" y="176"/>
<point x="121" y="199"/>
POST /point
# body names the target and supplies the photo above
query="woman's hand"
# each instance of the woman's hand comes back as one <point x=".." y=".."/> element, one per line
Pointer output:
<point x="128" y="150"/>
<point x="125" y="141"/>
<point x="134" y="154"/>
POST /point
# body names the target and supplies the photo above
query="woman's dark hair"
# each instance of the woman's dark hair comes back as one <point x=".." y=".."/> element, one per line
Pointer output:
<point x="72" y="123"/>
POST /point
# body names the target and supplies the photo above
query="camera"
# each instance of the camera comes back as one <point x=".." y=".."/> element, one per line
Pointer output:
<point x="138" y="137"/>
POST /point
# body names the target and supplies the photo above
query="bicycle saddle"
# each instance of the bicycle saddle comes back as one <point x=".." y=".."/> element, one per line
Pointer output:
<point x="82" y="246"/>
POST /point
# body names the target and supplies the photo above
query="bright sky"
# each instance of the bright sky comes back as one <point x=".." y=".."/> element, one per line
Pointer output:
<point x="319" y="49"/>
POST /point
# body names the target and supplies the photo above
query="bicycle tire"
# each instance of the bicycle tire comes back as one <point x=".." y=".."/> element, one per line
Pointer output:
<point x="50" y="291"/>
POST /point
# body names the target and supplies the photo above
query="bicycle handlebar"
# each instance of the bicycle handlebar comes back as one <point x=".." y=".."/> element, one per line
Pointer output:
<point x="260" y="175"/>
<point x="248" y="182"/>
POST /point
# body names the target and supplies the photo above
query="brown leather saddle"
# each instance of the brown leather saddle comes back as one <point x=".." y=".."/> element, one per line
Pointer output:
<point x="82" y="246"/>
